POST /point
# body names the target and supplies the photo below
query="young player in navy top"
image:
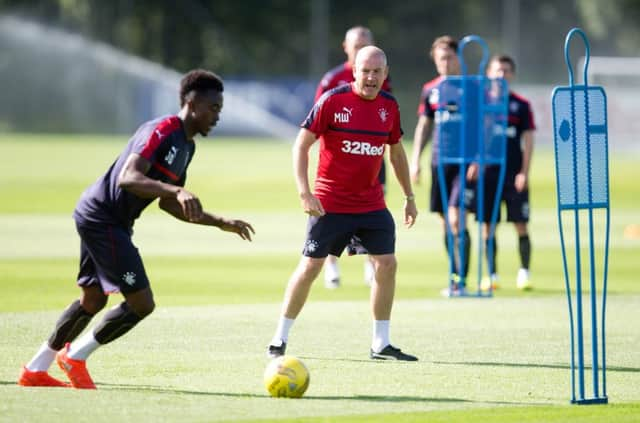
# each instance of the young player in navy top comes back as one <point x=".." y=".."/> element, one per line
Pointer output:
<point x="515" y="193"/>
<point x="356" y="123"/>
<point x="153" y="165"/>
<point x="355" y="38"/>
<point x="444" y="55"/>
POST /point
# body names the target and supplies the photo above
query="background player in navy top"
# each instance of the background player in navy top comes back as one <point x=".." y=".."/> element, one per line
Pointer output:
<point x="515" y="193"/>
<point x="152" y="165"/>
<point x="354" y="39"/>
<point x="444" y="54"/>
<point x="356" y="123"/>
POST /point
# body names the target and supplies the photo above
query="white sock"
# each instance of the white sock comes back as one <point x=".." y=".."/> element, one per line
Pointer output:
<point x="83" y="346"/>
<point x="43" y="359"/>
<point x="380" y="335"/>
<point x="282" y="331"/>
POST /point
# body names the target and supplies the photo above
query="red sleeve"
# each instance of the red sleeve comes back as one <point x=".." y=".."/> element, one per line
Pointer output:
<point x="396" y="129"/>
<point x="316" y="121"/>
<point x="162" y="131"/>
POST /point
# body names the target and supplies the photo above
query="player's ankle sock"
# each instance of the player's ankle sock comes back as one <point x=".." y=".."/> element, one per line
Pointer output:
<point x="491" y="256"/>
<point x="282" y="331"/>
<point x="70" y="324"/>
<point x="43" y="359"/>
<point x="118" y="321"/>
<point x="83" y="346"/>
<point x="466" y="246"/>
<point x="525" y="250"/>
<point x="380" y="335"/>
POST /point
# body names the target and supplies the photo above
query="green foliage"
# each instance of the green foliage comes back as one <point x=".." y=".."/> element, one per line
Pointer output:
<point x="274" y="38"/>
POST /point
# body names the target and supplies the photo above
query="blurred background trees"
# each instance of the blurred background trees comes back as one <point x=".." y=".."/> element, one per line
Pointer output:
<point x="302" y="37"/>
<point x="283" y="43"/>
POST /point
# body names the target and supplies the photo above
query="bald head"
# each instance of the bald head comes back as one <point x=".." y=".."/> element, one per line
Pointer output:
<point x="356" y="38"/>
<point x="369" y="52"/>
<point x="370" y="71"/>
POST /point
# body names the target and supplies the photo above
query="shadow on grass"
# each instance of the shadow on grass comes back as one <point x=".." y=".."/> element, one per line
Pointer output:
<point x="367" y="398"/>
<point x="179" y="391"/>
<point x="534" y="365"/>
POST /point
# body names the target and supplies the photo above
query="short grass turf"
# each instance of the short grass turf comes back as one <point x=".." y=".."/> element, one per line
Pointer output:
<point x="200" y="356"/>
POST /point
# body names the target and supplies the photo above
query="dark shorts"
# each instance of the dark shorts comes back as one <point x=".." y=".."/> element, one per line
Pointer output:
<point x="372" y="233"/>
<point x="452" y="181"/>
<point x="517" y="203"/>
<point x="109" y="258"/>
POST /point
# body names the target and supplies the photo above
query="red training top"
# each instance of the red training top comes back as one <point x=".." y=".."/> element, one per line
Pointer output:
<point x="353" y="133"/>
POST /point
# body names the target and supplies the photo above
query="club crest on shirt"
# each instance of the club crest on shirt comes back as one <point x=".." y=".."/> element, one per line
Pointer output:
<point x="171" y="155"/>
<point x="383" y="114"/>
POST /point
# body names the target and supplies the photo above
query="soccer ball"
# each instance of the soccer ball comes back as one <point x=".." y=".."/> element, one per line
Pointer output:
<point x="286" y="376"/>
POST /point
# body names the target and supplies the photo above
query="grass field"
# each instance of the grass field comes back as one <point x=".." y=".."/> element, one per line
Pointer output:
<point x="200" y="356"/>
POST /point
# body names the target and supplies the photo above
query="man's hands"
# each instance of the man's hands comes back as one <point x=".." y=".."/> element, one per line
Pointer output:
<point x="521" y="181"/>
<point x="242" y="228"/>
<point x="410" y="212"/>
<point x="311" y="205"/>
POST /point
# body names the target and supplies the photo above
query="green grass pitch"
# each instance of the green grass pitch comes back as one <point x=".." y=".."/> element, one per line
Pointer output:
<point x="200" y="355"/>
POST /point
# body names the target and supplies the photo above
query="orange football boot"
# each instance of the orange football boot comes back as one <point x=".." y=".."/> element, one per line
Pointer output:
<point x="41" y="378"/>
<point x="76" y="370"/>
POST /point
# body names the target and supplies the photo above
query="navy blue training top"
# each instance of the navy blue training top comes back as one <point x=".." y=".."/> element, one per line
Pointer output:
<point x="163" y="142"/>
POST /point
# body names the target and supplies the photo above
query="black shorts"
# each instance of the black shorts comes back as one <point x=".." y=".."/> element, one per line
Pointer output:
<point x="109" y="258"/>
<point x="452" y="181"/>
<point x="517" y="203"/>
<point x="375" y="232"/>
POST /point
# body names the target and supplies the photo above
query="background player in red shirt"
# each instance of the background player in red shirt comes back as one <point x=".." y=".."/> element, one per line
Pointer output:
<point x="355" y="124"/>
<point x="445" y="57"/>
<point x="354" y="39"/>
<point x="515" y="193"/>
<point x="152" y="165"/>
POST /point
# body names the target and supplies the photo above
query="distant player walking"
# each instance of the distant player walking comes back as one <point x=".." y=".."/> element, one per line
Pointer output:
<point x="355" y="38"/>
<point x="444" y="55"/>
<point x="355" y="123"/>
<point x="515" y="193"/>
<point x="153" y="165"/>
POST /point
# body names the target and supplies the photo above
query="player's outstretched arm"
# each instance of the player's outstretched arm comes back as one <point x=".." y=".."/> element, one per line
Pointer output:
<point x="401" y="168"/>
<point x="240" y="227"/>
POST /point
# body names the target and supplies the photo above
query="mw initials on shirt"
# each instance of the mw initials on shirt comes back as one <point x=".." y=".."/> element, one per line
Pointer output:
<point x="362" y="148"/>
<point x="344" y="116"/>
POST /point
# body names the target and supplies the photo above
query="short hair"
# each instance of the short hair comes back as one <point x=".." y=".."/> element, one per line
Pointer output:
<point x="503" y="58"/>
<point x="359" y="30"/>
<point x="199" y="81"/>
<point x="446" y="41"/>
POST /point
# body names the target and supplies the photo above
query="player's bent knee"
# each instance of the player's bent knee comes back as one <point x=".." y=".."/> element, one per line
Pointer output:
<point x="141" y="302"/>
<point x="311" y="267"/>
<point x="385" y="264"/>
<point x="93" y="303"/>
<point x="144" y="309"/>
